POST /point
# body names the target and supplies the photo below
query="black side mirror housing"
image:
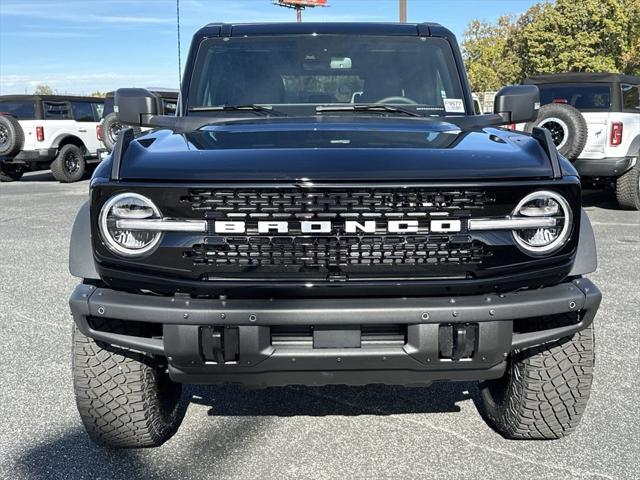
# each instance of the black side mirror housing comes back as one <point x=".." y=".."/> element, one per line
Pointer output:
<point x="517" y="103"/>
<point x="135" y="106"/>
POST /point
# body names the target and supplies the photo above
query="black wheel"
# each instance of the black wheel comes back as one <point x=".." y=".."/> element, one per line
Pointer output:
<point x="544" y="390"/>
<point x="110" y="129"/>
<point x="628" y="189"/>
<point x="10" y="172"/>
<point x="11" y="136"/>
<point x="125" y="399"/>
<point x="69" y="165"/>
<point x="567" y="126"/>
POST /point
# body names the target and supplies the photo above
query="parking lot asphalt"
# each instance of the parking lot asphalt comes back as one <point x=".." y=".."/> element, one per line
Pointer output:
<point x="296" y="432"/>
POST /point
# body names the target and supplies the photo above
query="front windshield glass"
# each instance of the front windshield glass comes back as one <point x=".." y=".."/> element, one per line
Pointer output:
<point x="418" y="73"/>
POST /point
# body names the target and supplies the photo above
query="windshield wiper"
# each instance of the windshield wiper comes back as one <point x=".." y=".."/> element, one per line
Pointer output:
<point x="366" y="107"/>
<point x="262" y="109"/>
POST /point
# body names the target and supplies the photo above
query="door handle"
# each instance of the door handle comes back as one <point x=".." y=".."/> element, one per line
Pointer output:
<point x="83" y="130"/>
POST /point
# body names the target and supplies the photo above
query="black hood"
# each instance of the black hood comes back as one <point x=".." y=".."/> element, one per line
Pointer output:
<point x="335" y="149"/>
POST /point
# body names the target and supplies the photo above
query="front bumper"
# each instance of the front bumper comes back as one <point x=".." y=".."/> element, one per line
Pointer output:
<point x="261" y="361"/>
<point x="604" y="167"/>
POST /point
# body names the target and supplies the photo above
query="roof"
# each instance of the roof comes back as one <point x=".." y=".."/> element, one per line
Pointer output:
<point x="345" y="28"/>
<point x="161" y="92"/>
<point x="53" y="98"/>
<point x="582" y="77"/>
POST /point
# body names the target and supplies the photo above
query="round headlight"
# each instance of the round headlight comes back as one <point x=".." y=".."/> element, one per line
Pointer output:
<point x="126" y="242"/>
<point x="543" y="240"/>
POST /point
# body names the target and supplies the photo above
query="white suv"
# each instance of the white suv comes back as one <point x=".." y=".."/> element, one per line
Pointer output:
<point x="48" y="131"/>
<point x="594" y="119"/>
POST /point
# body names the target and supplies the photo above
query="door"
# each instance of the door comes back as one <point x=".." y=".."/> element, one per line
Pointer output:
<point x="86" y="116"/>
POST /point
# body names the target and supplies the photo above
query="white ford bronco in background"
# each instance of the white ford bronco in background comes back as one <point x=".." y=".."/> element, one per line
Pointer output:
<point x="594" y="119"/>
<point x="48" y="131"/>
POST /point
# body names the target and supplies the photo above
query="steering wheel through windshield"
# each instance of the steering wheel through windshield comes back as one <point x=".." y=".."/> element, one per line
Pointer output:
<point x="401" y="100"/>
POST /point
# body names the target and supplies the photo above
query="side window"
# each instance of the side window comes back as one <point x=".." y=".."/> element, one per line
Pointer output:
<point x="630" y="97"/>
<point x="83" y="112"/>
<point x="19" y="110"/>
<point x="98" y="111"/>
<point x="169" y="106"/>
<point x="56" y="111"/>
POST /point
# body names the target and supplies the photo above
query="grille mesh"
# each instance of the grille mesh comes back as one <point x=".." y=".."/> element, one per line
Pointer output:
<point x="341" y="251"/>
<point x="332" y="203"/>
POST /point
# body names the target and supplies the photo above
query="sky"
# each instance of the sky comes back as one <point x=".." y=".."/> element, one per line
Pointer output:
<point x="82" y="46"/>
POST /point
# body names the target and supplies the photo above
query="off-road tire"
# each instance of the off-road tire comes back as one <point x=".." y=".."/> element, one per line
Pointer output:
<point x="628" y="189"/>
<point x="69" y="165"/>
<point x="567" y="125"/>
<point x="10" y="172"/>
<point x="125" y="399"/>
<point x="544" y="390"/>
<point x="11" y="136"/>
<point x="111" y="125"/>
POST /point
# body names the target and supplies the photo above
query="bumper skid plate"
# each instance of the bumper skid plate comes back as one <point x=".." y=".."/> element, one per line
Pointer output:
<point x="228" y="340"/>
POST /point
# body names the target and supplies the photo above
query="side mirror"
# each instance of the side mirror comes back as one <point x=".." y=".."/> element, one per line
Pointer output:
<point x="517" y="103"/>
<point x="135" y="106"/>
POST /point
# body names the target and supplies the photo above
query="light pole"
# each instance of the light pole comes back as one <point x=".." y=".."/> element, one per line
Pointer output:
<point x="403" y="10"/>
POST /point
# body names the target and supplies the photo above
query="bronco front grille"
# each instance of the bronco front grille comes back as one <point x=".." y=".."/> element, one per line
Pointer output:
<point x="339" y="251"/>
<point x="331" y="203"/>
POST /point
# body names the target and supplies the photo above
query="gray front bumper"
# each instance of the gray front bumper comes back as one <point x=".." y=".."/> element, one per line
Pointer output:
<point x="261" y="363"/>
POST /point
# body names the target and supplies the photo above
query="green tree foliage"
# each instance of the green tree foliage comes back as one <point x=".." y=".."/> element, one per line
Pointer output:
<point x="490" y="61"/>
<point x="43" y="89"/>
<point x="551" y="37"/>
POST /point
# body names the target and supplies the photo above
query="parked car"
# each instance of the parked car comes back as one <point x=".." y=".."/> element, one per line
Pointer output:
<point x="48" y="131"/>
<point x="278" y="231"/>
<point x="594" y="119"/>
<point x="477" y="105"/>
<point x="166" y="100"/>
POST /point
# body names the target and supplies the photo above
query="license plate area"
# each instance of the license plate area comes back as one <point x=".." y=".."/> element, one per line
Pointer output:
<point x="338" y="336"/>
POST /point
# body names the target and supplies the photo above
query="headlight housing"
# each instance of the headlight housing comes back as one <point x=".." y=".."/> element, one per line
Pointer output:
<point x="129" y="242"/>
<point x="539" y="241"/>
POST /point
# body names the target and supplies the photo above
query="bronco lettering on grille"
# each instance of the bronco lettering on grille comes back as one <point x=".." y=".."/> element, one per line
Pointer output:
<point x="350" y="226"/>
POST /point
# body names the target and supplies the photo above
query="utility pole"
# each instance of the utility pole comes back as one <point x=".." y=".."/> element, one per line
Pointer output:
<point x="298" y="14"/>
<point x="402" y="4"/>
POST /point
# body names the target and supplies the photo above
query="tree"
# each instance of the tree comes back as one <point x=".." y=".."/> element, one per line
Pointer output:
<point x="589" y="35"/>
<point x="489" y="60"/>
<point x="43" y="89"/>
<point x="567" y="35"/>
<point x="98" y="93"/>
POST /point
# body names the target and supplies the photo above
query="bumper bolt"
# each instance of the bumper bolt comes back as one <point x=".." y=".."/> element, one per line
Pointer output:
<point x="572" y="305"/>
<point x="252" y="318"/>
<point x="492" y="312"/>
<point x="186" y="315"/>
<point x="101" y="310"/>
<point x="223" y="316"/>
<point x="425" y="316"/>
<point x="338" y="359"/>
<point x="455" y="314"/>
<point x="452" y="300"/>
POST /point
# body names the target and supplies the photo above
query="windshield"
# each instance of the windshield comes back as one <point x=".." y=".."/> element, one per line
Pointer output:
<point x="595" y="96"/>
<point x="310" y="70"/>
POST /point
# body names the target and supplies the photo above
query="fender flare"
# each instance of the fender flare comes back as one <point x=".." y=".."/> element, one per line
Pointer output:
<point x="634" y="147"/>
<point x="64" y="135"/>
<point x="81" y="262"/>
<point x="587" y="255"/>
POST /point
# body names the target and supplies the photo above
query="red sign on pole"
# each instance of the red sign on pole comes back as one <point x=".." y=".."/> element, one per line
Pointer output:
<point x="304" y="3"/>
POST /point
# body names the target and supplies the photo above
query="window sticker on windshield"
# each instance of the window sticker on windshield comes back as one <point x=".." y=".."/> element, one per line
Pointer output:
<point x="453" y="105"/>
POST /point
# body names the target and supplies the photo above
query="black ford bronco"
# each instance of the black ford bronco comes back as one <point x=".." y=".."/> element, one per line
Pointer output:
<point x="326" y="208"/>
